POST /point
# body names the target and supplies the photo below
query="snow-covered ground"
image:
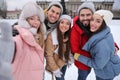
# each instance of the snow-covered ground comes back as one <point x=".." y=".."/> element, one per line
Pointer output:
<point x="71" y="73"/>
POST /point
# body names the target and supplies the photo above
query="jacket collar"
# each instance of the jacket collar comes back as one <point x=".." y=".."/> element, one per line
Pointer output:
<point x="96" y="38"/>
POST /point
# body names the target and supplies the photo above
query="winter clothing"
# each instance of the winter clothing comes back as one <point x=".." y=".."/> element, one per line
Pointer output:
<point x="105" y="63"/>
<point x="50" y="26"/>
<point x="78" y="42"/>
<point x="7" y="48"/>
<point x="88" y="5"/>
<point x="63" y="71"/>
<point x="65" y="17"/>
<point x="53" y="62"/>
<point x="31" y="9"/>
<point x="28" y="62"/>
<point x="83" y="74"/>
<point x="52" y="58"/>
<point x="55" y="3"/>
<point x="107" y="15"/>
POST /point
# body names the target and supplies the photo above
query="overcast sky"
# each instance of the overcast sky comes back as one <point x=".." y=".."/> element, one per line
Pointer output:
<point x="18" y="4"/>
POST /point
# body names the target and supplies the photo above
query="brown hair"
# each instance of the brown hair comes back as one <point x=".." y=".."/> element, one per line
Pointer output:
<point x="60" y="42"/>
<point x="41" y="36"/>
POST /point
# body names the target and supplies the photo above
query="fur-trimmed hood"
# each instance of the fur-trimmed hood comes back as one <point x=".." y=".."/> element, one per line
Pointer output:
<point x="31" y="9"/>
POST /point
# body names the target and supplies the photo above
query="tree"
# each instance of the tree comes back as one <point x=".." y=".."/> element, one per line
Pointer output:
<point x="64" y="7"/>
<point x="3" y="8"/>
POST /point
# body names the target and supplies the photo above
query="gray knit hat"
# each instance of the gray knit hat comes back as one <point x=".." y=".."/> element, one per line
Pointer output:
<point x="65" y="17"/>
<point x="55" y="3"/>
<point x="88" y="5"/>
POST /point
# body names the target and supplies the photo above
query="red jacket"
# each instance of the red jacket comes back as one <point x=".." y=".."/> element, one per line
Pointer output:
<point x="77" y="41"/>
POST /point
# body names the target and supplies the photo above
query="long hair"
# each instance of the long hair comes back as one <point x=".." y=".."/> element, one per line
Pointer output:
<point x="60" y="42"/>
<point x="41" y="35"/>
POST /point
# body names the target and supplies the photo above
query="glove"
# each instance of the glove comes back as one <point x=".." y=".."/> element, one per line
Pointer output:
<point x="71" y="61"/>
<point x="76" y="56"/>
<point x="57" y="73"/>
<point x="69" y="64"/>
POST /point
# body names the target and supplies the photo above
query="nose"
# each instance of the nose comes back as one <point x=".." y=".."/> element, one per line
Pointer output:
<point x="85" y="17"/>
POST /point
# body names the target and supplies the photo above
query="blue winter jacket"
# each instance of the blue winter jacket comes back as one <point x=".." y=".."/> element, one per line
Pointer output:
<point x="104" y="61"/>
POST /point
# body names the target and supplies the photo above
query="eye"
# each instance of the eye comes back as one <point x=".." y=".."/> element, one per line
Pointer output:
<point x="82" y="15"/>
<point x="99" y="21"/>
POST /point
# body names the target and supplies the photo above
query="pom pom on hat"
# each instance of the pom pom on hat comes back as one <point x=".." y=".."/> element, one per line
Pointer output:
<point x="88" y="5"/>
<point x="106" y="14"/>
<point x="65" y="17"/>
<point x="55" y="3"/>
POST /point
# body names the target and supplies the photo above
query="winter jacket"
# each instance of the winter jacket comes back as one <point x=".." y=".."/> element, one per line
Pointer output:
<point x="28" y="61"/>
<point x="53" y="62"/>
<point x="101" y="47"/>
<point x="77" y="41"/>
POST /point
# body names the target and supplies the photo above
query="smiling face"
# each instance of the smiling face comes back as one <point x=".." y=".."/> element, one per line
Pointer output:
<point x="53" y="14"/>
<point x="96" y="23"/>
<point x="85" y="16"/>
<point x="64" y="25"/>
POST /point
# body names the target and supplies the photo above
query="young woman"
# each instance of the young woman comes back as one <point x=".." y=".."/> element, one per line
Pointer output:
<point x="105" y="62"/>
<point x="28" y="61"/>
<point x="58" y="49"/>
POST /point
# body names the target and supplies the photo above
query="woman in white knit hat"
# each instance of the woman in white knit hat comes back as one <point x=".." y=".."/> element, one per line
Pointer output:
<point x="101" y="47"/>
<point x="57" y="48"/>
<point x="28" y="61"/>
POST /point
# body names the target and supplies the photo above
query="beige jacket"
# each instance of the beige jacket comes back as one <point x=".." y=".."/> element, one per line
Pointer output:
<point x="53" y="62"/>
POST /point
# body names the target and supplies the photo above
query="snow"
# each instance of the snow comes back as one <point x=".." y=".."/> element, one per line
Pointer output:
<point x="71" y="73"/>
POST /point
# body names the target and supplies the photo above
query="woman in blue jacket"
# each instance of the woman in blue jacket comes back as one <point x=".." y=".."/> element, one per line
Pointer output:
<point x="101" y="47"/>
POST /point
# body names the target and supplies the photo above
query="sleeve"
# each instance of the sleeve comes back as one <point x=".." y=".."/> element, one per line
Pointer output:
<point x="74" y="41"/>
<point x="49" y="52"/>
<point x="100" y="59"/>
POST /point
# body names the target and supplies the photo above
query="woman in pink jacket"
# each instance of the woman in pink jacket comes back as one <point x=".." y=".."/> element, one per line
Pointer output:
<point x="28" y="61"/>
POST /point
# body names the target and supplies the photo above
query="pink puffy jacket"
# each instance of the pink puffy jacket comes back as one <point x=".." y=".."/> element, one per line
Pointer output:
<point x="28" y="61"/>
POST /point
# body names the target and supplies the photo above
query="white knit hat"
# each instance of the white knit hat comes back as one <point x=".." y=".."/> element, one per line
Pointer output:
<point x="106" y="14"/>
<point x="65" y="17"/>
<point x="55" y="3"/>
<point x="88" y="5"/>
